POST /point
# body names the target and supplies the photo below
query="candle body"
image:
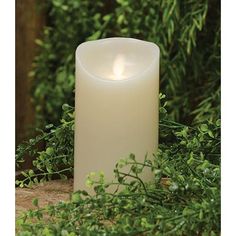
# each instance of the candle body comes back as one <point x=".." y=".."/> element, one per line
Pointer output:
<point x="114" y="118"/>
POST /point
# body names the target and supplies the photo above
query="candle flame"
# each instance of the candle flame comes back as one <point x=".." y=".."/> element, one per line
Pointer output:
<point x="118" y="66"/>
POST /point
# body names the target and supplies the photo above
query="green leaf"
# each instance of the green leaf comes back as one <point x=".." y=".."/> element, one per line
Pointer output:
<point x="36" y="180"/>
<point x="75" y="198"/>
<point x="31" y="173"/>
<point x="174" y="186"/>
<point x="131" y="156"/>
<point x="24" y="173"/>
<point x="35" y="202"/>
<point x="39" y="42"/>
<point x="204" y="127"/>
<point x="49" y="126"/>
<point x="120" y="19"/>
<point x="49" y="150"/>
<point x="95" y="36"/>
<point x="210" y="134"/>
<point x="65" y="107"/>
<point x="49" y="168"/>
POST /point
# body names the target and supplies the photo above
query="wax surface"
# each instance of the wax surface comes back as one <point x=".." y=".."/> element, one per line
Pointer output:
<point x="116" y="105"/>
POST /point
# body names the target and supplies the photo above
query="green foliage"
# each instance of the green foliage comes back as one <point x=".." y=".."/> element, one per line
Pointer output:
<point x="187" y="204"/>
<point x="56" y="159"/>
<point x="187" y="32"/>
<point x="183" y="199"/>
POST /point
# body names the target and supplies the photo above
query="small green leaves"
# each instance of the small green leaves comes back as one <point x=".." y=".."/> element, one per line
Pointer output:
<point x="204" y="127"/>
<point x="136" y="169"/>
<point x="122" y="163"/>
<point x="75" y="198"/>
<point x="132" y="156"/>
<point x="218" y="123"/>
<point x="47" y="232"/>
<point x="183" y="195"/>
<point x="94" y="36"/>
<point x="162" y="110"/>
<point x="186" y="169"/>
<point x="35" y="202"/>
<point x="24" y="173"/>
<point x="31" y="173"/>
<point x="162" y="96"/>
<point x="49" y="150"/>
<point x="173" y="187"/>
<point x="65" y="107"/>
<point x="39" y="42"/>
<point x="107" y="17"/>
<point x="210" y="134"/>
<point x="188" y="211"/>
<point x="120" y="19"/>
<point x="49" y="126"/>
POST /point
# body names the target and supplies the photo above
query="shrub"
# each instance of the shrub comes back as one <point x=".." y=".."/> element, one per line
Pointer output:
<point x="187" y="32"/>
<point x="184" y="198"/>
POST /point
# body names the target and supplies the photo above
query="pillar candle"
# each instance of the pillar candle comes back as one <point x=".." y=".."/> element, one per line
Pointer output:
<point x="116" y="105"/>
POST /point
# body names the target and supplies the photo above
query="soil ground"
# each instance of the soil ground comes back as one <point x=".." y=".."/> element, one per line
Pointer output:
<point x="47" y="193"/>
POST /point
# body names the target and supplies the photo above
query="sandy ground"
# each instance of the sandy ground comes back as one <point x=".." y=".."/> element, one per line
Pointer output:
<point x="47" y="193"/>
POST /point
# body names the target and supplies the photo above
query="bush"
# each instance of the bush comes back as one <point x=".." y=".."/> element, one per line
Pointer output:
<point x="184" y="198"/>
<point x="187" y="32"/>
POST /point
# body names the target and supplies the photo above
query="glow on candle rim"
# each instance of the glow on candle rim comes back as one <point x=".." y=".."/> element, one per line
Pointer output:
<point x="118" y="67"/>
<point x="156" y="55"/>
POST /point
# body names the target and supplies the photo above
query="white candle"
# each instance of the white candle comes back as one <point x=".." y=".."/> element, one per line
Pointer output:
<point x="116" y="105"/>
